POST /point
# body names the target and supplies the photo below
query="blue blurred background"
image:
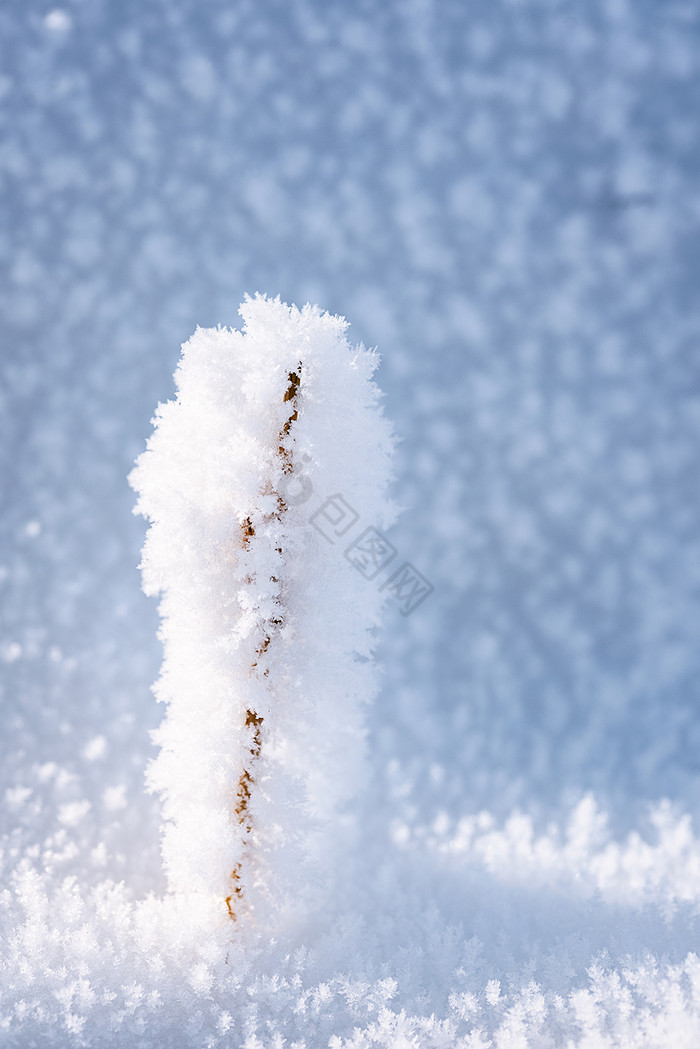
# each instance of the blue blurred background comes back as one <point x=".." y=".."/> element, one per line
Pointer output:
<point x="502" y="196"/>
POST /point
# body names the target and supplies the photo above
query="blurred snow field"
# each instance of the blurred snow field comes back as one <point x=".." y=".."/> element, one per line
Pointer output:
<point x="502" y="196"/>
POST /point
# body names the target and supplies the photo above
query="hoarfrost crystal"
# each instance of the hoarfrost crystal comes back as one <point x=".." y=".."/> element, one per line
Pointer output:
<point x="267" y="629"/>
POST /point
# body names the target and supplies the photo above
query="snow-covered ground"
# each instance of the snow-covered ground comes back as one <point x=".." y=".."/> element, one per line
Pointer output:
<point x="502" y="195"/>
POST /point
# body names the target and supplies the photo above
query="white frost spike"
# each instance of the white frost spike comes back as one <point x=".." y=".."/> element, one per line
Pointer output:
<point x="266" y="625"/>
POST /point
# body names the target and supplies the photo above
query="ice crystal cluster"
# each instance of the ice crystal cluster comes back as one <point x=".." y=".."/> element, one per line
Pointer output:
<point x="267" y="627"/>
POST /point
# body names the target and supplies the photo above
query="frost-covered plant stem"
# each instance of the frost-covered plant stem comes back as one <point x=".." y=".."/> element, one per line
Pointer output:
<point x="267" y="629"/>
<point x="253" y="721"/>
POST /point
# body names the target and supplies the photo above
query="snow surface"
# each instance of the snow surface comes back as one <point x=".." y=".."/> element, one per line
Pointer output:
<point x="503" y="197"/>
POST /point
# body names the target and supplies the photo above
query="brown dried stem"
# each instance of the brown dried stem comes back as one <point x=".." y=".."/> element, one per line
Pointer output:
<point x="253" y="721"/>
